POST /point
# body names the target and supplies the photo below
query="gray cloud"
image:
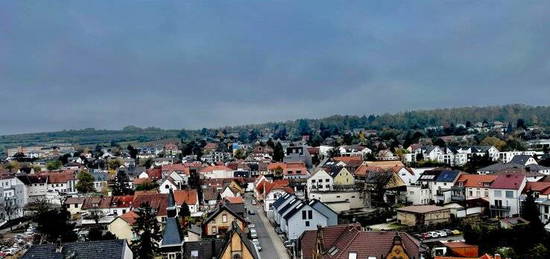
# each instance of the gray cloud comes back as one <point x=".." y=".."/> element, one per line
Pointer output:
<point x="193" y="64"/>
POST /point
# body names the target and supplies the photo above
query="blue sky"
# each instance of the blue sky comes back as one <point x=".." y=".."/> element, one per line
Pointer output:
<point x="193" y="64"/>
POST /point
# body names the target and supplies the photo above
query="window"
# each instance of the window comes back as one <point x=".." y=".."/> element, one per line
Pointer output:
<point x="214" y="230"/>
<point x="224" y="218"/>
<point x="498" y="194"/>
<point x="310" y="214"/>
<point x="307" y="223"/>
<point x="303" y="214"/>
<point x="327" y="180"/>
<point x="313" y="181"/>
<point x="352" y="255"/>
<point x="510" y="194"/>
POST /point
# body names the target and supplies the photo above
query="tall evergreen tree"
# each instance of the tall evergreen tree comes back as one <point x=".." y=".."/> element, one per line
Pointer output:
<point x="278" y="152"/>
<point x="147" y="229"/>
<point x="120" y="185"/>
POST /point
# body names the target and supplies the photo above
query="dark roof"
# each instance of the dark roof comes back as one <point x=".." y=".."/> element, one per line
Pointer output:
<point x="447" y="176"/>
<point x="295" y="209"/>
<point x="108" y="249"/>
<point x="31" y="179"/>
<point x="333" y="170"/>
<point x="520" y="159"/>
<point x="281" y="200"/>
<point x="314" y="203"/>
<point x="206" y="248"/>
<point x="172" y="234"/>
<point x="219" y="210"/>
<point x="291" y="204"/>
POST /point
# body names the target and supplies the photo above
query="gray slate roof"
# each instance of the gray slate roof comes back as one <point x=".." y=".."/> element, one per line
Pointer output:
<point x="106" y="249"/>
<point x="172" y="234"/>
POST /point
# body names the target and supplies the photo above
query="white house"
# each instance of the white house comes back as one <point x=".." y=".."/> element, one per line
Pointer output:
<point x="504" y="197"/>
<point x="320" y="181"/>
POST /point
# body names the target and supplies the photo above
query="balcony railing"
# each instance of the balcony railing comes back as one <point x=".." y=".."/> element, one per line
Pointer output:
<point x="501" y="208"/>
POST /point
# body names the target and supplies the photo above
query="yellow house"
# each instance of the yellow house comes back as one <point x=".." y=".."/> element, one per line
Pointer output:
<point x="220" y="221"/>
<point x="237" y="245"/>
<point x="342" y="176"/>
<point x="121" y="227"/>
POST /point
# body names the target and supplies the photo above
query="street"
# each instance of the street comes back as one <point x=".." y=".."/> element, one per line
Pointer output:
<point x="272" y="246"/>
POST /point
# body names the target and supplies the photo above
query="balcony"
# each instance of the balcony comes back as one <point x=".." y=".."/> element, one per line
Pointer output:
<point x="500" y="208"/>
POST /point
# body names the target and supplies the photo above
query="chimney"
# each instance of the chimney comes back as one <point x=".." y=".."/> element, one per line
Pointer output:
<point x="497" y="256"/>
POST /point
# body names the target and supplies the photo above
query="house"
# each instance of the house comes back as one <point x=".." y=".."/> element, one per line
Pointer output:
<point x="472" y="186"/>
<point x="504" y="197"/>
<point x="189" y="197"/>
<point x="292" y="170"/>
<point x="36" y="186"/>
<point x="218" y="171"/>
<point x="339" y="201"/>
<point x="167" y="185"/>
<point x="61" y="182"/>
<point x="237" y="245"/>
<point x="351" y="241"/>
<point x="108" y="249"/>
<point x="274" y="190"/>
<point x="122" y="225"/>
<point x="100" y="180"/>
<point x="321" y="180"/>
<point x="423" y="215"/>
<point x="521" y="162"/>
<point x="74" y="204"/>
<point x="354" y="150"/>
<point x="230" y="191"/>
<point x="433" y="185"/>
<point x="220" y="221"/>
<point x="157" y="201"/>
<point x="294" y="216"/>
<point x="541" y="192"/>
<point x="297" y="153"/>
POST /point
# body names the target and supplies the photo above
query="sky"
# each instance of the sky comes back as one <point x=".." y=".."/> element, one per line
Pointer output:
<point x="193" y="64"/>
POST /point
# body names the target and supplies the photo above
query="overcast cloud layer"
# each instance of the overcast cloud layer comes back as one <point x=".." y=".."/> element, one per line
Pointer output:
<point x="193" y="64"/>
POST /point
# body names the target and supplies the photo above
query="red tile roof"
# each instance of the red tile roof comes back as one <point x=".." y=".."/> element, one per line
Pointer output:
<point x="540" y="187"/>
<point x="175" y="167"/>
<point x="508" y="181"/>
<point x="190" y="197"/>
<point x="154" y="173"/>
<point x="475" y="180"/>
<point x="130" y="217"/>
<point x="157" y="201"/>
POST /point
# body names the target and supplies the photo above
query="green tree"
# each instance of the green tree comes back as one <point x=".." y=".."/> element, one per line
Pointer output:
<point x="85" y="182"/>
<point x="120" y="185"/>
<point x="53" y="223"/>
<point x="278" y="152"/>
<point x="132" y="151"/>
<point x="493" y="141"/>
<point x="147" y="186"/>
<point x="114" y="163"/>
<point x="147" y="229"/>
<point x="240" y="154"/>
<point x="184" y="210"/>
<point x="53" y="165"/>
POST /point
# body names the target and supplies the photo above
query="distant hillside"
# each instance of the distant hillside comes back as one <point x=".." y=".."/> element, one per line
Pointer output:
<point x="532" y="115"/>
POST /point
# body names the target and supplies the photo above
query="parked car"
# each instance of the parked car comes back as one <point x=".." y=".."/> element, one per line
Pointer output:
<point x="256" y="243"/>
<point x="253" y="234"/>
<point x="251" y="225"/>
<point x="288" y="244"/>
<point x="456" y="232"/>
<point x="251" y="212"/>
<point x="254" y="202"/>
<point x="433" y="234"/>
<point x="442" y="233"/>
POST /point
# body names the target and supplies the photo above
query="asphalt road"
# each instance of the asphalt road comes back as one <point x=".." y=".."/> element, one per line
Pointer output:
<point x="272" y="246"/>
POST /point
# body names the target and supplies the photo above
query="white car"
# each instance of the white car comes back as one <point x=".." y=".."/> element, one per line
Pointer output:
<point x="256" y="243"/>
<point x="253" y="233"/>
<point x="433" y="234"/>
<point x="442" y="233"/>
